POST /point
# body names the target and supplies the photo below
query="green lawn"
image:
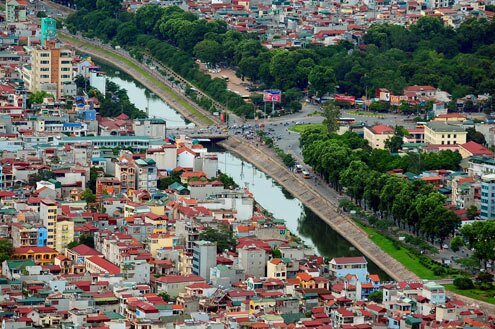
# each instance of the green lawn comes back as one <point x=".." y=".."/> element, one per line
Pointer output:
<point x="409" y="260"/>
<point x="301" y="128"/>
<point x="200" y="116"/>
<point x="484" y="295"/>
<point x="363" y="113"/>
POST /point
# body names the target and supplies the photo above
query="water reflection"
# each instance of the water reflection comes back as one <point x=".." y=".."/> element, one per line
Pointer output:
<point x="299" y="219"/>
<point x="143" y="97"/>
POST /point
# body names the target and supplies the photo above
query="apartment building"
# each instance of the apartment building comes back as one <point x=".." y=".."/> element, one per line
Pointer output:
<point x="24" y="235"/>
<point x="377" y="135"/>
<point x="64" y="234"/>
<point x="51" y="64"/>
<point x="204" y="258"/>
<point x="440" y="133"/>
<point x="15" y="11"/>
<point x="487" y="196"/>
<point x="51" y="67"/>
<point x="48" y="214"/>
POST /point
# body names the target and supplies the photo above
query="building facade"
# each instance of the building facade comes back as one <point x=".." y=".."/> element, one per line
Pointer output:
<point x="377" y="135"/>
<point x="204" y="258"/>
<point x="51" y="67"/>
<point x="48" y="214"/>
<point x="440" y="133"/>
<point x="487" y="210"/>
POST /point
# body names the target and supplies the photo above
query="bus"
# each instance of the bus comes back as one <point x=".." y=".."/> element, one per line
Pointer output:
<point x="346" y="121"/>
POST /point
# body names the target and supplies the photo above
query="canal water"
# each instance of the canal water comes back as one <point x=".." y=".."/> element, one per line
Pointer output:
<point x="143" y="97"/>
<point x="300" y="220"/>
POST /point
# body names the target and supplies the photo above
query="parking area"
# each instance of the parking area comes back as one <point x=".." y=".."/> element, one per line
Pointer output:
<point x="234" y="83"/>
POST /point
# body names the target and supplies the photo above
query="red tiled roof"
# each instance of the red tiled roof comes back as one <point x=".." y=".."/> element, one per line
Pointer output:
<point x="24" y="250"/>
<point x="350" y="260"/>
<point x="476" y="149"/>
<point x="382" y="129"/>
<point x="180" y="278"/>
<point x="85" y="250"/>
<point x="104" y="264"/>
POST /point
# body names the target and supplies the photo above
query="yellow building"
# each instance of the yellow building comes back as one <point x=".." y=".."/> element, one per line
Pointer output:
<point x="262" y="303"/>
<point x="159" y="222"/>
<point x="64" y="234"/>
<point x="51" y="67"/>
<point x="306" y="280"/>
<point x="377" y="135"/>
<point x="48" y="214"/>
<point x="441" y="133"/>
<point x="158" y="241"/>
<point x="276" y="269"/>
<point x="450" y="118"/>
<point x="40" y="255"/>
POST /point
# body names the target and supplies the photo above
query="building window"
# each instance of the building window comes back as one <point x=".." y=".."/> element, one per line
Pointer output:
<point x="44" y="62"/>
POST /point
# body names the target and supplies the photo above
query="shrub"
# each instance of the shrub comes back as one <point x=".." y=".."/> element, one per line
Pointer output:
<point x="463" y="283"/>
<point x="438" y="270"/>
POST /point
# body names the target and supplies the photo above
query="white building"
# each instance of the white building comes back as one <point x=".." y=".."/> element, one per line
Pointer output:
<point x="204" y="258"/>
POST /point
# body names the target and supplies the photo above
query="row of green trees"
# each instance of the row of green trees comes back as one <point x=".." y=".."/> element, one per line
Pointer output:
<point x="348" y="164"/>
<point x="428" y="53"/>
<point x="479" y="237"/>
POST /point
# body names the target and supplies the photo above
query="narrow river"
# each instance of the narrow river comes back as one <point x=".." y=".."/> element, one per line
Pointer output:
<point x="143" y="98"/>
<point x="299" y="219"/>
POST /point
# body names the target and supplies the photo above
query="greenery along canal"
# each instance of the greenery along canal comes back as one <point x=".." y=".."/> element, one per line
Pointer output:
<point x="143" y="97"/>
<point x="300" y="220"/>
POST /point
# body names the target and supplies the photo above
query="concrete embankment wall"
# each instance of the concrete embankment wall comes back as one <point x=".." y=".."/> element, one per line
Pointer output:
<point x="319" y="204"/>
<point x="267" y="161"/>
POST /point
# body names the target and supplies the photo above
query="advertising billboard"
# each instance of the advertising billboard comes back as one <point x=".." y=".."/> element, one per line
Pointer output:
<point x="272" y="96"/>
<point x="394" y="100"/>
<point x="345" y="99"/>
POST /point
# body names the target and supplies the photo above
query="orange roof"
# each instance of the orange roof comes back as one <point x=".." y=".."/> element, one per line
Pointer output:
<point x="374" y="278"/>
<point x="431" y="178"/>
<point x="244" y="228"/>
<point x="304" y="276"/>
<point x="190" y="174"/>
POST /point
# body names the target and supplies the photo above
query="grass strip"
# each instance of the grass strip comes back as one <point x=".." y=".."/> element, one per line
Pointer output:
<point x="303" y="127"/>
<point x="404" y="256"/>
<point x="483" y="295"/>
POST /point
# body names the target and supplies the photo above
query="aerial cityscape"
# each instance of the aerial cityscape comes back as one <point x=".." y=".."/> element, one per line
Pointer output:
<point x="247" y="164"/>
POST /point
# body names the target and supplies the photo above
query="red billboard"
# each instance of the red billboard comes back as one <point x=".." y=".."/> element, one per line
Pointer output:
<point x="274" y="96"/>
<point x="345" y="99"/>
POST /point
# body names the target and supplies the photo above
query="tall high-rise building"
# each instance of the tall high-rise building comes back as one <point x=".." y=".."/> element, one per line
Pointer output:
<point x="48" y="214"/>
<point x="51" y="67"/>
<point x="204" y="258"/>
<point x="487" y="210"/>
<point x="48" y="30"/>
<point x="64" y="234"/>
